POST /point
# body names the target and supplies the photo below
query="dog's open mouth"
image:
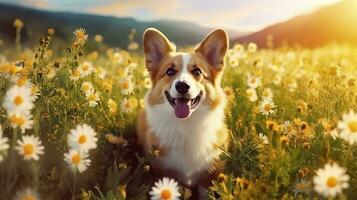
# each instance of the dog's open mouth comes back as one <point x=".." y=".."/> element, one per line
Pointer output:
<point x="183" y="106"/>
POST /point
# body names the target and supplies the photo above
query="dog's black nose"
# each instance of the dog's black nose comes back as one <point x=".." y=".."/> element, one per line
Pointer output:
<point x="182" y="87"/>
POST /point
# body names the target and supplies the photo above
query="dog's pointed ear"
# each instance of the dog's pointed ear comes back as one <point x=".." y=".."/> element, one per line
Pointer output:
<point x="156" y="46"/>
<point x="214" y="48"/>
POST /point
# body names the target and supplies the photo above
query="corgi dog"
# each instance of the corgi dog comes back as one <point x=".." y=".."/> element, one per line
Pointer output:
<point x="183" y="113"/>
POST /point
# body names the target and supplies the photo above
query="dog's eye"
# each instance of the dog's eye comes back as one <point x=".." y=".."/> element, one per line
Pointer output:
<point x="196" y="71"/>
<point x="171" y="71"/>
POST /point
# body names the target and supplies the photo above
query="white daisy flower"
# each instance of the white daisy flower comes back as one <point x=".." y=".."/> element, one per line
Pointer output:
<point x="82" y="138"/>
<point x="239" y="48"/>
<point x="253" y="81"/>
<point x="231" y="53"/>
<point x="27" y="194"/>
<point x="331" y="180"/>
<point x="100" y="72"/>
<point x="80" y="36"/>
<point x="233" y="62"/>
<point x="267" y="107"/>
<point x="126" y="106"/>
<point x="87" y="87"/>
<point x="30" y="147"/>
<point x="252" y="47"/>
<point x="86" y="69"/>
<point x="252" y="94"/>
<point x="4" y="146"/>
<point x="93" y="98"/>
<point x="112" y="106"/>
<point x="18" y="98"/>
<point x="118" y="57"/>
<point x="128" y="71"/>
<point x="165" y="189"/>
<point x="20" y="119"/>
<point x="77" y="161"/>
<point x="348" y="127"/>
<point x="75" y="74"/>
<point x="127" y="86"/>
<point x="288" y="129"/>
<point x="263" y="138"/>
<point x="35" y="92"/>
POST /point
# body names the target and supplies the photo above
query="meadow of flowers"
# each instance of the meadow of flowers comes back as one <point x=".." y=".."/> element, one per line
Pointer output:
<point x="68" y="116"/>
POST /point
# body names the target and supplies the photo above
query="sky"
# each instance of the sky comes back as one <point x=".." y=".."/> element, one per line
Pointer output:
<point x="240" y="15"/>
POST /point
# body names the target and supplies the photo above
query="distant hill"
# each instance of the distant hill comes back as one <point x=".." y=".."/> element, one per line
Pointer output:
<point x="335" y="23"/>
<point x="114" y="30"/>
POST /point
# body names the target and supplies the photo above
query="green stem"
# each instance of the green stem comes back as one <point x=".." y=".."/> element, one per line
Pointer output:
<point x="328" y="153"/>
<point x="105" y="114"/>
<point x="74" y="186"/>
<point x="18" y="39"/>
<point x="10" y="181"/>
<point x="12" y="150"/>
<point x="34" y="169"/>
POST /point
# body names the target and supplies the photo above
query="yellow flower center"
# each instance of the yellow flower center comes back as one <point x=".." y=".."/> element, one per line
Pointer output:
<point x="92" y="97"/>
<point x="18" y="100"/>
<point x="28" y="149"/>
<point x="17" y="120"/>
<point x="85" y="88"/>
<point x="125" y="85"/>
<point x="267" y="107"/>
<point x="76" y="73"/>
<point x="331" y="182"/>
<point x="82" y="139"/>
<point x="112" y="106"/>
<point x="76" y="159"/>
<point x="85" y="67"/>
<point x="80" y="35"/>
<point x="21" y="81"/>
<point x="166" y="194"/>
<point x="127" y="105"/>
<point x="353" y="126"/>
<point x="29" y="198"/>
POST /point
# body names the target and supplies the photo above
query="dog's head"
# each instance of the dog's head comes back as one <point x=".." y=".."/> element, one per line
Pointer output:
<point x="185" y="81"/>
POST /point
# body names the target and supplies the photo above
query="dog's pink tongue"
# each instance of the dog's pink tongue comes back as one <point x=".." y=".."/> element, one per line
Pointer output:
<point x="182" y="108"/>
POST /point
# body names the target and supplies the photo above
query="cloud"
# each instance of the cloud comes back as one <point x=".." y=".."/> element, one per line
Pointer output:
<point x="155" y="8"/>
<point x="203" y="12"/>
<point x="41" y="4"/>
<point x="245" y="15"/>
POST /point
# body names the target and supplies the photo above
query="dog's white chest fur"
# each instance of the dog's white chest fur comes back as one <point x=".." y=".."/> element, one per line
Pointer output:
<point x="190" y="142"/>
